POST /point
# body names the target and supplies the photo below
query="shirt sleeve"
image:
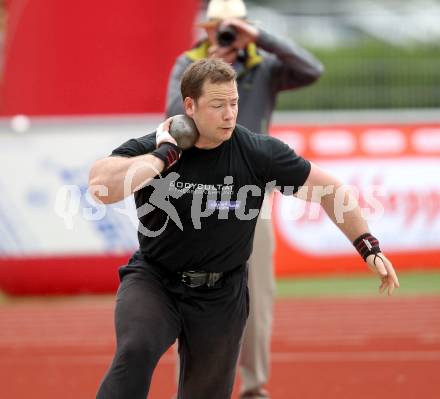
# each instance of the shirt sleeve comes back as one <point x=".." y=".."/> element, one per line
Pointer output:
<point x="287" y="170"/>
<point x="135" y="147"/>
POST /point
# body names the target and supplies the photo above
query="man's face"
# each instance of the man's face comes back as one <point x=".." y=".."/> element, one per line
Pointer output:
<point x="215" y="113"/>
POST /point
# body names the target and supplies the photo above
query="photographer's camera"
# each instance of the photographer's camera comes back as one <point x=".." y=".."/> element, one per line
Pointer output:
<point x="226" y="36"/>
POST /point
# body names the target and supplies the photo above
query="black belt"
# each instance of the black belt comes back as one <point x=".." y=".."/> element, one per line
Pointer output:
<point x="195" y="278"/>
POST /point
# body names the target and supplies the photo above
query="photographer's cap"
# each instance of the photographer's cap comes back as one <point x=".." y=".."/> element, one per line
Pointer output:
<point x="223" y="9"/>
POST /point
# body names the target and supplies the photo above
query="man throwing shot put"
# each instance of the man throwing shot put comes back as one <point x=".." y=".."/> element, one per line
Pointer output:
<point x="266" y="65"/>
<point x="197" y="213"/>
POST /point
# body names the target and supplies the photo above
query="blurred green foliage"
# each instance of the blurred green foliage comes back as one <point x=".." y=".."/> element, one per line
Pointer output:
<point x="371" y="75"/>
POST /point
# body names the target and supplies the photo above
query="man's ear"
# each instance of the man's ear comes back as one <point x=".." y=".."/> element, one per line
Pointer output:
<point x="189" y="106"/>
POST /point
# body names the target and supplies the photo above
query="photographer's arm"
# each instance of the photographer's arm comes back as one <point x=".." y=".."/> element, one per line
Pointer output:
<point x="293" y="66"/>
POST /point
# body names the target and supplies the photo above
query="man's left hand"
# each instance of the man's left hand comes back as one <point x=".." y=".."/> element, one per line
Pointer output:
<point x="384" y="268"/>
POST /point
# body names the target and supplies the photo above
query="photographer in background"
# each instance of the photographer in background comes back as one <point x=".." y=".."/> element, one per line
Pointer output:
<point x="265" y="65"/>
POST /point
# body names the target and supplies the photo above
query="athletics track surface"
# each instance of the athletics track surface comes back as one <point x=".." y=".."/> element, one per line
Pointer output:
<point x="351" y="348"/>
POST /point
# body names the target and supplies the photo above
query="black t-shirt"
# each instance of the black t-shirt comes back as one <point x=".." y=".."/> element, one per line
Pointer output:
<point x="216" y="195"/>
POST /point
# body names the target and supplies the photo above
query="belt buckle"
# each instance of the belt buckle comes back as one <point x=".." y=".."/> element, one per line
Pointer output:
<point x="186" y="279"/>
<point x="212" y="279"/>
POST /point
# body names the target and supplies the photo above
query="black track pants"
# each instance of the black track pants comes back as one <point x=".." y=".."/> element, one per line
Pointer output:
<point x="152" y="310"/>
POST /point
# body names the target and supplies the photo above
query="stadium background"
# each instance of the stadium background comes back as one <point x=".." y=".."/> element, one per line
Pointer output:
<point x="79" y="78"/>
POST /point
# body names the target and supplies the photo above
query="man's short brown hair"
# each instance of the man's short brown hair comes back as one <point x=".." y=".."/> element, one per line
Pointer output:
<point x="212" y="69"/>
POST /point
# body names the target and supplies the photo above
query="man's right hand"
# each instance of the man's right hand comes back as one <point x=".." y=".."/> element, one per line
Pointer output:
<point x="226" y="54"/>
<point x="163" y="133"/>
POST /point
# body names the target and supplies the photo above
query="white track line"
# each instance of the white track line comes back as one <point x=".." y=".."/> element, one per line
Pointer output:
<point x="276" y="357"/>
<point x="340" y="357"/>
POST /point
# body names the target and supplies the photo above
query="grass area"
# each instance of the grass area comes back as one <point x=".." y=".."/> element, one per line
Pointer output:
<point x="411" y="284"/>
<point x="419" y="283"/>
<point x="371" y="75"/>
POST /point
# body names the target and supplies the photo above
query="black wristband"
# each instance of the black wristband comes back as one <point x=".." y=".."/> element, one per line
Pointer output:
<point x="168" y="152"/>
<point x="366" y="245"/>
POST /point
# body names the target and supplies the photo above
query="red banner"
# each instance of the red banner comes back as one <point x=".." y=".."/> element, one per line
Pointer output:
<point x="394" y="168"/>
<point x="92" y="57"/>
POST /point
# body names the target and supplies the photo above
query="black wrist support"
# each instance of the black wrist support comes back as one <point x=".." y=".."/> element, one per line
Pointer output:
<point x="366" y="245"/>
<point x="167" y="152"/>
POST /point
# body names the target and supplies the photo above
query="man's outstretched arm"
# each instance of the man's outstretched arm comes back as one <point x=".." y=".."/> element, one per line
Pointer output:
<point x="343" y="209"/>
<point x="113" y="172"/>
<point x="113" y="178"/>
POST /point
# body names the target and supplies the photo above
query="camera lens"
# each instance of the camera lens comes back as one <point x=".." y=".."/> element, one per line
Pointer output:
<point x="226" y="36"/>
